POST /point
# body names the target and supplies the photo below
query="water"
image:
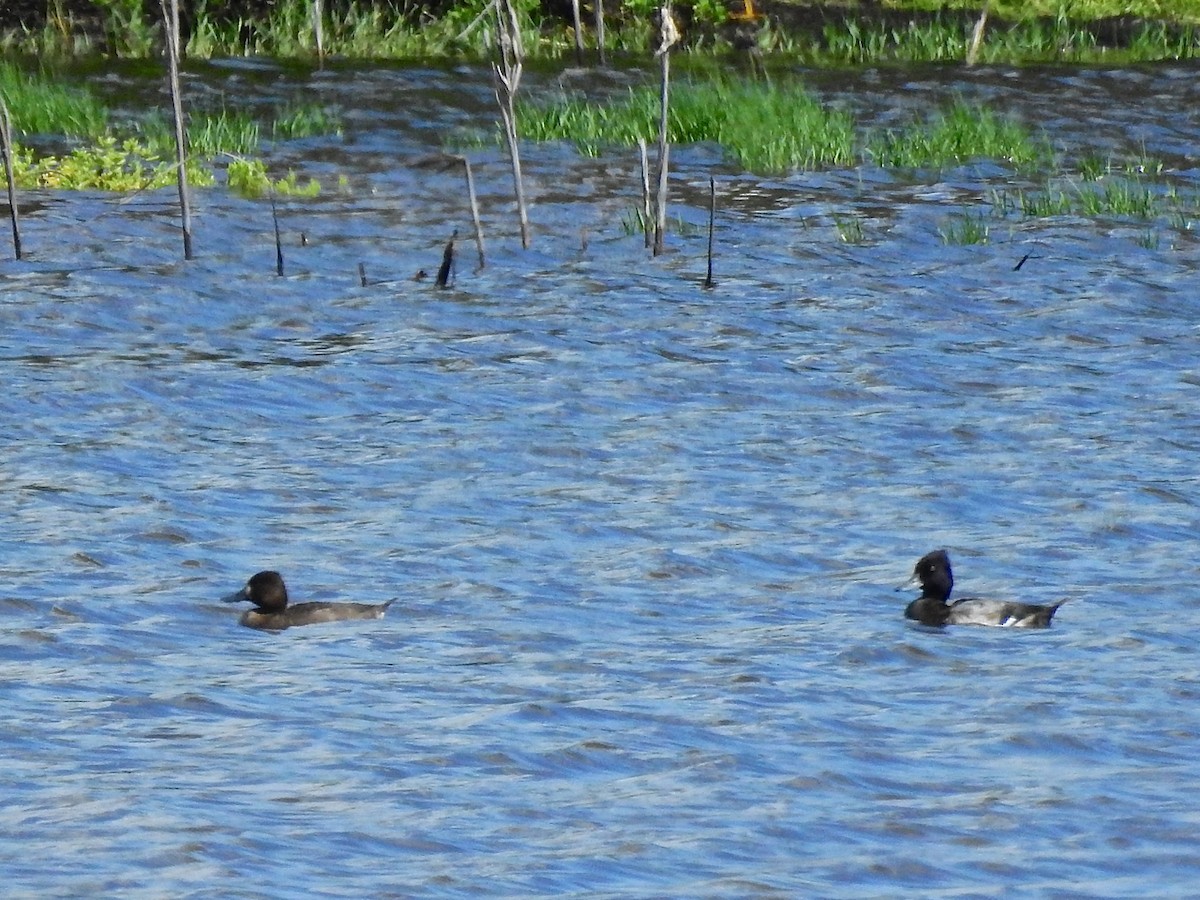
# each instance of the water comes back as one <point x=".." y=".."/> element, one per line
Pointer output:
<point x="643" y="535"/>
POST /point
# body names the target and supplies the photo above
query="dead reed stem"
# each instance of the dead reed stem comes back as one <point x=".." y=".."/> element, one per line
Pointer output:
<point x="474" y="210"/>
<point x="599" y="9"/>
<point x="670" y="37"/>
<point x="319" y="30"/>
<point x="578" y="23"/>
<point x="977" y="34"/>
<point x="507" y="67"/>
<point x="171" y="18"/>
<point x="647" y="202"/>
<point x="6" y="155"/>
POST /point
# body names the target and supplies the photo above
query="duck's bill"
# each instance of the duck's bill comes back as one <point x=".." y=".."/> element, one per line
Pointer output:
<point x="912" y="584"/>
<point x="236" y="597"/>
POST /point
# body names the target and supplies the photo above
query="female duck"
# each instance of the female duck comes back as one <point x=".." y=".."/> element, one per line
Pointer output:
<point x="272" y="613"/>
<point x="933" y="573"/>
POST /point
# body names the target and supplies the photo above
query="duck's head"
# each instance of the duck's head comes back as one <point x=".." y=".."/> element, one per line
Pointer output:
<point x="933" y="573"/>
<point x="265" y="590"/>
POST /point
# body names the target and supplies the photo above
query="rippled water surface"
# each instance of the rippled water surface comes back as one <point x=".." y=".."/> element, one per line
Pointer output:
<point x="643" y="535"/>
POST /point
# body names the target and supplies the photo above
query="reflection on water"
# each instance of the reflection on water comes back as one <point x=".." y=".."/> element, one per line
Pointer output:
<point x="643" y="535"/>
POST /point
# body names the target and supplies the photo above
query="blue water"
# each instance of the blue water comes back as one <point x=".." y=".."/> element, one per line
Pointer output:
<point x="643" y="535"/>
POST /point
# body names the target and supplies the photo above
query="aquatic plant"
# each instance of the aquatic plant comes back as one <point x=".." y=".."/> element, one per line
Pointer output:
<point x="209" y="132"/>
<point x="230" y="130"/>
<point x="107" y="165"/>
<point x="965" y="229"/>
<point x="134" y="157"/>
<point x="1113" y="196"/>
<point x="1120" y="197"/>
<point x="849" y="228"/>
<point x="761" y="126"/>
<point x="959" y="134"/>
<point x="249" y="178"/>
<point x="38" y="104"/>
<point x="303" y="120"/>
<point x="766" y="127"/>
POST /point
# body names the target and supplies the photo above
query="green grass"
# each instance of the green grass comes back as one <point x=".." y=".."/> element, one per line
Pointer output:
<point x="769" y="129"/>
<point x="944" y="39"/>
<point x="141" y="155"/>
<point x="965" y="229"/>
<point x="962" y="133"/>
<point x="1042" y="31"/>
<point x="303" y="120"/>
<point x="862" y="44"/>
<point x="761" y="127"/>
<point x="1110" y="196"/>
<point x="1175" y="10"/>
<point x="849" y="229"/>
<point x="106" y="165"/>
<point x="208" y="133"/>
<point x="37" y="104"/>
<point x="368" y="30"/>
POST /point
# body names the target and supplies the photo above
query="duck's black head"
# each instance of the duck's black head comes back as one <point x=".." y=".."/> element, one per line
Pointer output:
<point x="266" y="591"/>
<point x="935" y="575"/>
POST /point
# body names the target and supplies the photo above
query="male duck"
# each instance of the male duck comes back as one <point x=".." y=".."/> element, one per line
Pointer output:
<point x="933" y="573"/>
<point x="272" y="612"/>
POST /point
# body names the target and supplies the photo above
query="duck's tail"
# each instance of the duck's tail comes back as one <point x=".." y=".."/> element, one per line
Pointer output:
<point x="1052" y="609"/>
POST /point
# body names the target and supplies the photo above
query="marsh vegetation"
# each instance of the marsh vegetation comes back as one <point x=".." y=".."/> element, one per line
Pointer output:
<point x="765" y="121"/>
<point x="834" y="33"/>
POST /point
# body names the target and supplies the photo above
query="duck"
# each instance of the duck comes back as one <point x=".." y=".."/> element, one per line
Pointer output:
<point x="936" y="579"/>
<point x="268" y="593"/>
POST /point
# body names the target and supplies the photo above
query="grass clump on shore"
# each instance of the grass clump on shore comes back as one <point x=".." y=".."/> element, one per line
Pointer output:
<point x="761" y="127"/>
<point x="365" y="30"/>
<point x="832" y="33"/>
<point x="1029" y="41"/>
